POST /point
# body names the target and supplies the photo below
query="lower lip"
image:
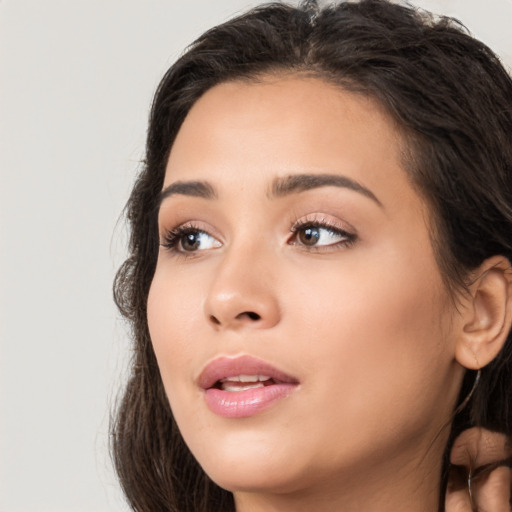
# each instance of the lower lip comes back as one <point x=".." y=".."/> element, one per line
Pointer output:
<point x="242" y="404"/>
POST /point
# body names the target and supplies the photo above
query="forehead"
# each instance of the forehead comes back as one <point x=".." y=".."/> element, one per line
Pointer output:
<point x="278" y="126"/>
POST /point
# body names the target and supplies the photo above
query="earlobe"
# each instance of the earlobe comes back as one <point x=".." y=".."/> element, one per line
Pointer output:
<point x="487" y="315"/>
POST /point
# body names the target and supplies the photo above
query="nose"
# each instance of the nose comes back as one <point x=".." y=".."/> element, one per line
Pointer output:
<point x="242" y="293"/>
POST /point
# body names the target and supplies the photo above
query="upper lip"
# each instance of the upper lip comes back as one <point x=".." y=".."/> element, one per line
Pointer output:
<point x="224" y="367"/>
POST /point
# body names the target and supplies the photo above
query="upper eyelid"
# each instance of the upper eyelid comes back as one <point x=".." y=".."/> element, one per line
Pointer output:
<point x="192" y="225"/>
<point x="322" y="221"/>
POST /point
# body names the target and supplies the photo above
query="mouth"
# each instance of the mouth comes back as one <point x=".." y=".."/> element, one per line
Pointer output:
<point x="239" y="383"/>
<point x="243" y="386"/>
<point x="235" y="373"/>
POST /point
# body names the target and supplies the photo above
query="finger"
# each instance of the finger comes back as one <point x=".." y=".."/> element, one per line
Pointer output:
<point x="492" y="493"/>
<point x="465" y="447"/>
<point x="477" y="451"/>
<point x="457" y="495"/>
<point x="477" y="447"/>
<point x="457" y="501"/>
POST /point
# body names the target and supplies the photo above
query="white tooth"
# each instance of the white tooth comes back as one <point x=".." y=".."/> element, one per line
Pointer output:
<point x="253" y="378"/>
<point x="248" y="378"/>
<point x="227" y="387"/>
<point x="231" y="379"/>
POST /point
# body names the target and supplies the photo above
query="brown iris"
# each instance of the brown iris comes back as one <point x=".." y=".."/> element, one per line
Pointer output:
<point x="309" y="235"/>
<point x="190" y="241"/>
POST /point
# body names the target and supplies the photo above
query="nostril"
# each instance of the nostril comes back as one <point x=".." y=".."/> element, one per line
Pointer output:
<point x="249" y="314"/>
<point x="214" y="320"/>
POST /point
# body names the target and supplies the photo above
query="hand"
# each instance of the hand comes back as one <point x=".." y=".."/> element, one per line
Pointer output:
<point x="487" y="455"/>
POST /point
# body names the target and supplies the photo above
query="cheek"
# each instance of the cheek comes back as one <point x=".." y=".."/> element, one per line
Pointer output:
<point x="173" y="309"/>
<point x="367" y="303"/>
<point x="379" y="334"/>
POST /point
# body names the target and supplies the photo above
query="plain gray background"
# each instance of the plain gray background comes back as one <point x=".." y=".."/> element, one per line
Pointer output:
<point x="76" y="81"/>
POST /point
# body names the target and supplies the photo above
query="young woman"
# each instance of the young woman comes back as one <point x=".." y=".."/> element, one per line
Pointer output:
<point x="319" y="281"/>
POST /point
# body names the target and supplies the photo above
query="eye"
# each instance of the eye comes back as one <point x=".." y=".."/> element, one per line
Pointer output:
<point x="189" y="239"/>
<point x="194" y="240"/>
<point x="318" y="235"/>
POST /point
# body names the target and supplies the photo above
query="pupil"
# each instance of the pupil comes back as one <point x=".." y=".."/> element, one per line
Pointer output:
<point x="190" y="241"/>
<point x="309" y="236"/>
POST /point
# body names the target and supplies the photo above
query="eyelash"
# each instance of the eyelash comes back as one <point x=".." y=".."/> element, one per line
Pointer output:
<point x="348" y="238"/>
<point x="173" y="237"/>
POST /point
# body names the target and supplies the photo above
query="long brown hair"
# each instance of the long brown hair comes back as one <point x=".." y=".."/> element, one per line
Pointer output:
<point x="451" y="98"/>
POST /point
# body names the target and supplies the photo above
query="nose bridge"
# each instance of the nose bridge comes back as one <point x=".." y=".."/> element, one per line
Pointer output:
<point x="242" y="292"/>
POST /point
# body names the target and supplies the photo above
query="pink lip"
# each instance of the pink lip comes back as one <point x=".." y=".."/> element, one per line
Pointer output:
<point x="241" y="404"/>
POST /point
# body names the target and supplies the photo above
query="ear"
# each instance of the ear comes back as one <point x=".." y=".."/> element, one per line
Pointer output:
<point x="487" y="314"/>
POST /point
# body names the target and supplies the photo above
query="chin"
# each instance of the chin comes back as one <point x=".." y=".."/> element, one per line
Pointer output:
<point x="249" y="462"/>
<point x="257" y="478"/>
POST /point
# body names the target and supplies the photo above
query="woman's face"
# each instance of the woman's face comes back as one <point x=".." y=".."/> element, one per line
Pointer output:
<point x="299" y="319"/>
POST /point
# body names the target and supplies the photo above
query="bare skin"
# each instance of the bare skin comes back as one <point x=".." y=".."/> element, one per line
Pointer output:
<point x="487" y="455"/>
<point x="290" y="233"/>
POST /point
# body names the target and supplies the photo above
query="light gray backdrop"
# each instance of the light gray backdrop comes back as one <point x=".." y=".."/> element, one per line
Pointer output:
<point x="76" y="80"/>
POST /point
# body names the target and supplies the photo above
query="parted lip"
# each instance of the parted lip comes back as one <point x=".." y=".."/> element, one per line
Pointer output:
<point x="225" y="367"/>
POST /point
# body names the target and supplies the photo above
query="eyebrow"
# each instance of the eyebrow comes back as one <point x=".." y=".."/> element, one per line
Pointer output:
<point x="280" y="187"/>
<point x="302" y="182"/>
<point x="188" y="188"/>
